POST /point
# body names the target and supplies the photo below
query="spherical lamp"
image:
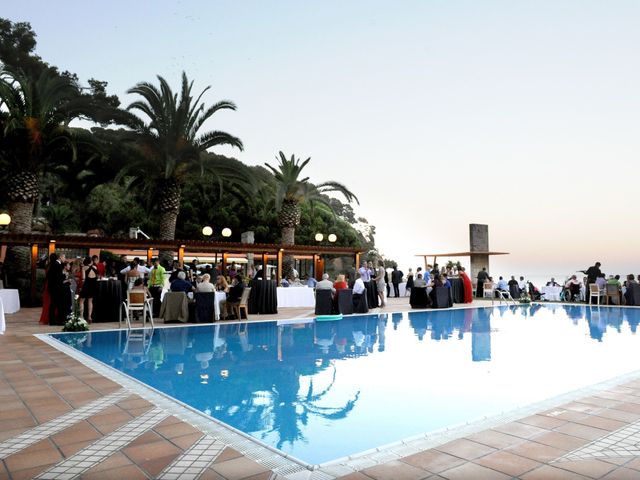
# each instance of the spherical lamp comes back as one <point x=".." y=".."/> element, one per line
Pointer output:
<point x="332" y="237"/>
<point x="5" y="219"/>
<point x="226" y="232"/>
<point x="319" y="237"/>
<point x="207" y="231"/>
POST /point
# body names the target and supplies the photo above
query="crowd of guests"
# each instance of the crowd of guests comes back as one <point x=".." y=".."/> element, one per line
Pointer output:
<point x="67" y="279"/>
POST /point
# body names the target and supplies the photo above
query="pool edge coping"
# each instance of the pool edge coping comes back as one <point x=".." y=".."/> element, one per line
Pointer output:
<point x="288" y="465"/>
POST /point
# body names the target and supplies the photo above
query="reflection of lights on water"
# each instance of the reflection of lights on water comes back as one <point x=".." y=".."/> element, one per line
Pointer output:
<point x="204" y="378"/>
<point x="207" y="411"/>
<point x="224" y="373"/>
<point x="319" y="362"/>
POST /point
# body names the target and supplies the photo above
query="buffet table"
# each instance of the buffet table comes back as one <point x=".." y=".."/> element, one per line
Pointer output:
<point x="296" y="297"/>
<point x="10" y="299"/>
<point x="551" y="294"/>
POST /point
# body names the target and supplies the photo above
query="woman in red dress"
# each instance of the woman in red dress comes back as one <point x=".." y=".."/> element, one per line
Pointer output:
<point x="466" y="281"/>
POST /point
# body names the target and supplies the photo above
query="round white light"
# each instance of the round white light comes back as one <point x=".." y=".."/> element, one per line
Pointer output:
<point x="207" y="231"/>
<point x="319" y="237"/>
<point x="332" y="237"/>
<point x="5" y="219"/>
<point x="226" y="232"/>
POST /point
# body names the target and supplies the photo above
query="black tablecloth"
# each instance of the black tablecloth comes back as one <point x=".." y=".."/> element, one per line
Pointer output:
<point x="108" y="301"/>
<point x="419" y="298"/>
<point x="457" y="289"/>
<point x="263" y="297"/>
<point x="372" y="294"/>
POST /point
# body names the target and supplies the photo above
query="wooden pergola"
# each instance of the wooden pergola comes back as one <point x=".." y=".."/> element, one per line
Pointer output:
<point x="224" y="249"/>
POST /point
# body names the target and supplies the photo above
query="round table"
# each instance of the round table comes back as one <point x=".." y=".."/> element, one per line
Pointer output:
<point x="457" y="289"/>
<point x="108" y="301"/>
<point x="10" y="299"/>
<point x="263" y="297"/>
<point x="551" y="293"/>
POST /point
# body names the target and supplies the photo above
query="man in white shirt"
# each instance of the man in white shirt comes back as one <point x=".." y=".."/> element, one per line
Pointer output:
<point x="358" y="286"/>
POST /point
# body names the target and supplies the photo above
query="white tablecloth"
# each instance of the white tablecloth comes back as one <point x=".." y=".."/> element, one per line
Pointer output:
<point x="220" y="304"/>
<point x="296" y="297"/>
<point x="551" y="293"/>
<point x="402" y="287"/>
<point x="10" y="299"/>
<point x="2" y="326"/>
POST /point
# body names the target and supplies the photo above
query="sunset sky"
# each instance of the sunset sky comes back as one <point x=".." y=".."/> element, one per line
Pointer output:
<point x="521" y="115"/>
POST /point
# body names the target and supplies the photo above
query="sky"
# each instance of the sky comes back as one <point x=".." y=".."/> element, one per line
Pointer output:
<point x="435" y="113"/>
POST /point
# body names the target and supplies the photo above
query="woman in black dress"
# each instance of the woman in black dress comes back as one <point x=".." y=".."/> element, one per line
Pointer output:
<point x="89" y="285"/>
<point x="409" y="286"/>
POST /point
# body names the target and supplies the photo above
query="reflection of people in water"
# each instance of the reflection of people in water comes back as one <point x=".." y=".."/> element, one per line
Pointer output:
<point x="396" y="318"/>
<point x="325" y="333"/>
<point x="632" y="320"/>
<point x="382" y="324"/>
<point x="419" y="323"/>
<point x="481" y="335"/>
<point x="596" y="326"/>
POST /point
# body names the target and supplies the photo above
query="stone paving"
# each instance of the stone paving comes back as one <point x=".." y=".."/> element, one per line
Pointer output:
<point x="61" y="419"/>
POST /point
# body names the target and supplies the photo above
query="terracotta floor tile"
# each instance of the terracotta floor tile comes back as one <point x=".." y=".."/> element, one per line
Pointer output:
<point x="73" y="448"/>
<point x="470" y="470"/>
<point x="590" y="468"/>
<point x="622" y="473"/>
<point x="543" y="421"/>
<point x="238" y="468"/>
<point x="176" y="430"/>
<point x="628" y="407"/>
<point x="155" y="466"/>
<point x="604" y="423"/>
<point x="548" y="472"/>
<point x="619" y="461"/>
<point x="536" y="451"/>
<point x="76" y="433"/>
<point x="146" y="437"/>
<point x="30" y="473"/>
<point x="396" y="470"/>
<point x="466" y="449"/>
<point x="41" y="453"/>
<point x="600" y="401"/>
<point x="261" y="476"/>
<point x="185" y="441"/>
<point x="566" y="414"/>
<point x="116" y="460"/>
<point x="14" y="413"/>
<point x="433" y="461"/>
<point x="495" y="439"/>
<point x="15" y="423"/>
<point x="6" y="434"/>
<point x="209" y="474"/>
<point x="520" y="429"/>
<point x="128" y="472"/>
<point x="582" y="431"/>
<point x="151" y="451"/>
<point x="507" y="463"/>
<point x="620" y="415"/>
<point x="560" y="440"/>
<point x="227" y="454"/>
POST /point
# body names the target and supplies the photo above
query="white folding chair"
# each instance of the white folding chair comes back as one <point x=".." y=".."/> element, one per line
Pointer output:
<point x="137" y="302"/>
<point x="487" y="290"/>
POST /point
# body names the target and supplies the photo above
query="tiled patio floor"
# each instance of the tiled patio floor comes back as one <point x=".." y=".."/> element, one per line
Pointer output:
<point x="60" y="419"/>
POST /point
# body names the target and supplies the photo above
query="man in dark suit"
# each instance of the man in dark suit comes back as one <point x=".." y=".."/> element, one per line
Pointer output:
<point x="55" y="284"/>
<point x="396" y="278"/>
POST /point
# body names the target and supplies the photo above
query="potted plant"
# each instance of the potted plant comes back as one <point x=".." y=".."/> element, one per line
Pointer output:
<point x="75" y="322"/>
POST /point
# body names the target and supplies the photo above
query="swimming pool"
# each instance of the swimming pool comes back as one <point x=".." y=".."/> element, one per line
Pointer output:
<point x="324" y="390"/>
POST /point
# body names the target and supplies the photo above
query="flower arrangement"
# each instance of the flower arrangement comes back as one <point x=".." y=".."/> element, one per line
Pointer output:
<point x="525" y="299"/>
<point x="75" y="322"/>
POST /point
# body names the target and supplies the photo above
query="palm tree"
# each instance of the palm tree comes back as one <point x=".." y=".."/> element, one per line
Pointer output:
<point x="172" y="146"/>
<point x="291" y="190"/>
<point x="34" y="125"/>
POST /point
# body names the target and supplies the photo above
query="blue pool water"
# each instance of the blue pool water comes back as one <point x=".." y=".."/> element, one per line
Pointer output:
<point x="324" y="390"/>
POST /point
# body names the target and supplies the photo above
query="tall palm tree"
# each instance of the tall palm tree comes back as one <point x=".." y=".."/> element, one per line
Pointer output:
<point x="172" y="146"/>
<point x="292" y="190"/>
<point x="34" y="125"/>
